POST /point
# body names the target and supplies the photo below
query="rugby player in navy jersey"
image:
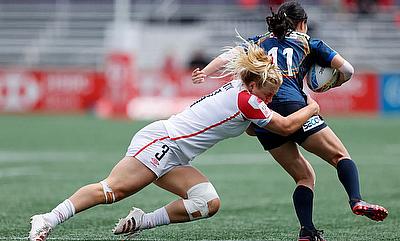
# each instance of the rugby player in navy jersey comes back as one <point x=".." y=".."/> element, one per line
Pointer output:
<point x="295" y="52"/>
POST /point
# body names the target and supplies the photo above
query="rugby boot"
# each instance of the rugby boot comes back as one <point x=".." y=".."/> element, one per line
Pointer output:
<point x="40" y="228"/>
<point x="130" y="224"/>
<point x="372" y="211"/>
<point x="311" y="235"/>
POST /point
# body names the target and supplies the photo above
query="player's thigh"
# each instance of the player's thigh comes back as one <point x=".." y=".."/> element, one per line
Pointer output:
<point x="180" y="179"/>
<point x="291" y="159"/>
<point x="129" y="176"/>
<point x="326" y="145"/>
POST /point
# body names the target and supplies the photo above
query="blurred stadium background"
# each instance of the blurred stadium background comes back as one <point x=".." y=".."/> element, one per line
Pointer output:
<point x="65" y="65"/>
<point x="104" y="55"/>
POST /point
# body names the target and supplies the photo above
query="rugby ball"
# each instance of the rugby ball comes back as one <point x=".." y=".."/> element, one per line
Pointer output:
<point x="321" y="79"/>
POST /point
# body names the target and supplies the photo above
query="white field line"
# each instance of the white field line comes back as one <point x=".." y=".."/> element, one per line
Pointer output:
<point x="139" y="239"/>
<point x="261" y="157"/>
<point x="60" y="156"/>
<point x="24" y="156"/>
<point x="392" y="148"/>
<point x="18" y="171"/>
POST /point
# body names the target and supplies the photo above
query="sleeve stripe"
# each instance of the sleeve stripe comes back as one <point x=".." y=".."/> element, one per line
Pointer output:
<point x="254" y="109"/>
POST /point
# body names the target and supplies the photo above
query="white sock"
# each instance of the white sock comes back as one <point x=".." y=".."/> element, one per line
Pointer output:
<point x="61" y="213"/>
<point x="157" y="218"/>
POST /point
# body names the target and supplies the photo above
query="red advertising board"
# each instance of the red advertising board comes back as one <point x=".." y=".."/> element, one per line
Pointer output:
<point x="162" y="94"/>
<point x="120" y="82"/>
<point x="53" y="90"/>
<point x="118" y="91"/>
<point x="161" y="84"/>
<point x="359" y="95"/>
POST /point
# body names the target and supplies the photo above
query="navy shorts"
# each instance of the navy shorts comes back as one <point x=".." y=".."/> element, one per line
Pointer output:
<point x="271" y="140"/>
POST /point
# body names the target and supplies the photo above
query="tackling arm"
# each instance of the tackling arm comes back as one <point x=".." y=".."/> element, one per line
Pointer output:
<point x="287" y="125"/>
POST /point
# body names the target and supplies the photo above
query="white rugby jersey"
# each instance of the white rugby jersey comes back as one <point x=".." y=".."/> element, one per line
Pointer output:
<point x="222" y="114"/>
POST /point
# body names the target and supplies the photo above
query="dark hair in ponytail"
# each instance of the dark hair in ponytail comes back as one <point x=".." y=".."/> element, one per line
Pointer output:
<point x="286" y="19"/>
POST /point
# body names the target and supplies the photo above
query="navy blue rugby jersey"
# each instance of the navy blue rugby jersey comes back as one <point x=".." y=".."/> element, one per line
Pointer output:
<point x="294" y="55"/>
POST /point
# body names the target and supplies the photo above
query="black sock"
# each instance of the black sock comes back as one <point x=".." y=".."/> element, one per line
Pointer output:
<point x="348" y="176"/>
<point x="303" y="204"/>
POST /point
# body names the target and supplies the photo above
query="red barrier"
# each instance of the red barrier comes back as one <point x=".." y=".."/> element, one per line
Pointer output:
<point x="359" y="95"/>
<point x="54" y="90"/>
<point x="162" y="94"/>
<point x="149" y="94"/>
<point x="161" y="84"/>
<point x="120" y="84"/>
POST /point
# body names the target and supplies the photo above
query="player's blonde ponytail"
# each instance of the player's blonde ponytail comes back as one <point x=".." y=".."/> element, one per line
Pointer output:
<point x="251" y="63"/>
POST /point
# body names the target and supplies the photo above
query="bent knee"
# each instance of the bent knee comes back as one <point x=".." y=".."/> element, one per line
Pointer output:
<point x="114" y="192"/>
<point x="213" y="206"/>
<point x="203" y="201"/>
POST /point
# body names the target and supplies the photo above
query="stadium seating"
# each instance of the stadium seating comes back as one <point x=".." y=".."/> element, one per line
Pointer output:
<point x="71" y="34"/>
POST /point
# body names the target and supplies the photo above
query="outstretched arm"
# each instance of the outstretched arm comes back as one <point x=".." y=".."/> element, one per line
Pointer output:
<point x="346" y="70"/>
<point x="199" y="76"/>
<point x="287" y="125"/>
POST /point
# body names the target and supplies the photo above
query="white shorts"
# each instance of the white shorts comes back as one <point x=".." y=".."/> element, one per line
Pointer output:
<point x="153" y="147"/>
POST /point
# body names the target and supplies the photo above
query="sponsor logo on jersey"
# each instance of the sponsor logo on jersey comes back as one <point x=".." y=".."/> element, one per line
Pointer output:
<point x="312" y="123"/>
<point x="155" y="162"/>
<point x="258" y="104"/>
<point x="264" y="108"/>
<point x="254" y="102"/>
<point x="227" y="86"/>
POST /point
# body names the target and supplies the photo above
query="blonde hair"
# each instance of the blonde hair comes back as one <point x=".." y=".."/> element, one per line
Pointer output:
<point x="251" y="63"/>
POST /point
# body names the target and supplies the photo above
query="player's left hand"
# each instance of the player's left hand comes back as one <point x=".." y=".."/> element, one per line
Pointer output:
<point x="340" y="80"/>
<point x="198" y="76"/>
<point x="311" y="101"/>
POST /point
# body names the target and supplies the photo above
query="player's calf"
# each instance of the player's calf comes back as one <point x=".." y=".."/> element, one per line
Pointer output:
<point x="202" y="202"/>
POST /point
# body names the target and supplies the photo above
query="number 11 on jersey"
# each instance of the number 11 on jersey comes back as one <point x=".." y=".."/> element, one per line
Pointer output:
<point x="289" y="58"/>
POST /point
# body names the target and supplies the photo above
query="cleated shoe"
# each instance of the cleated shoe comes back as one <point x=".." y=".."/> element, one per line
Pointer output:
<point x="130" y="224"/>
<point x="40" y="229"/>
<point x="311" y="235"/>
<point x="372" y="211"/>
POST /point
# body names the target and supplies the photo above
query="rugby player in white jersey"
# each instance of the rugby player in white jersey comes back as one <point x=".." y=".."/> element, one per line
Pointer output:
<point x="161" y="152"/>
